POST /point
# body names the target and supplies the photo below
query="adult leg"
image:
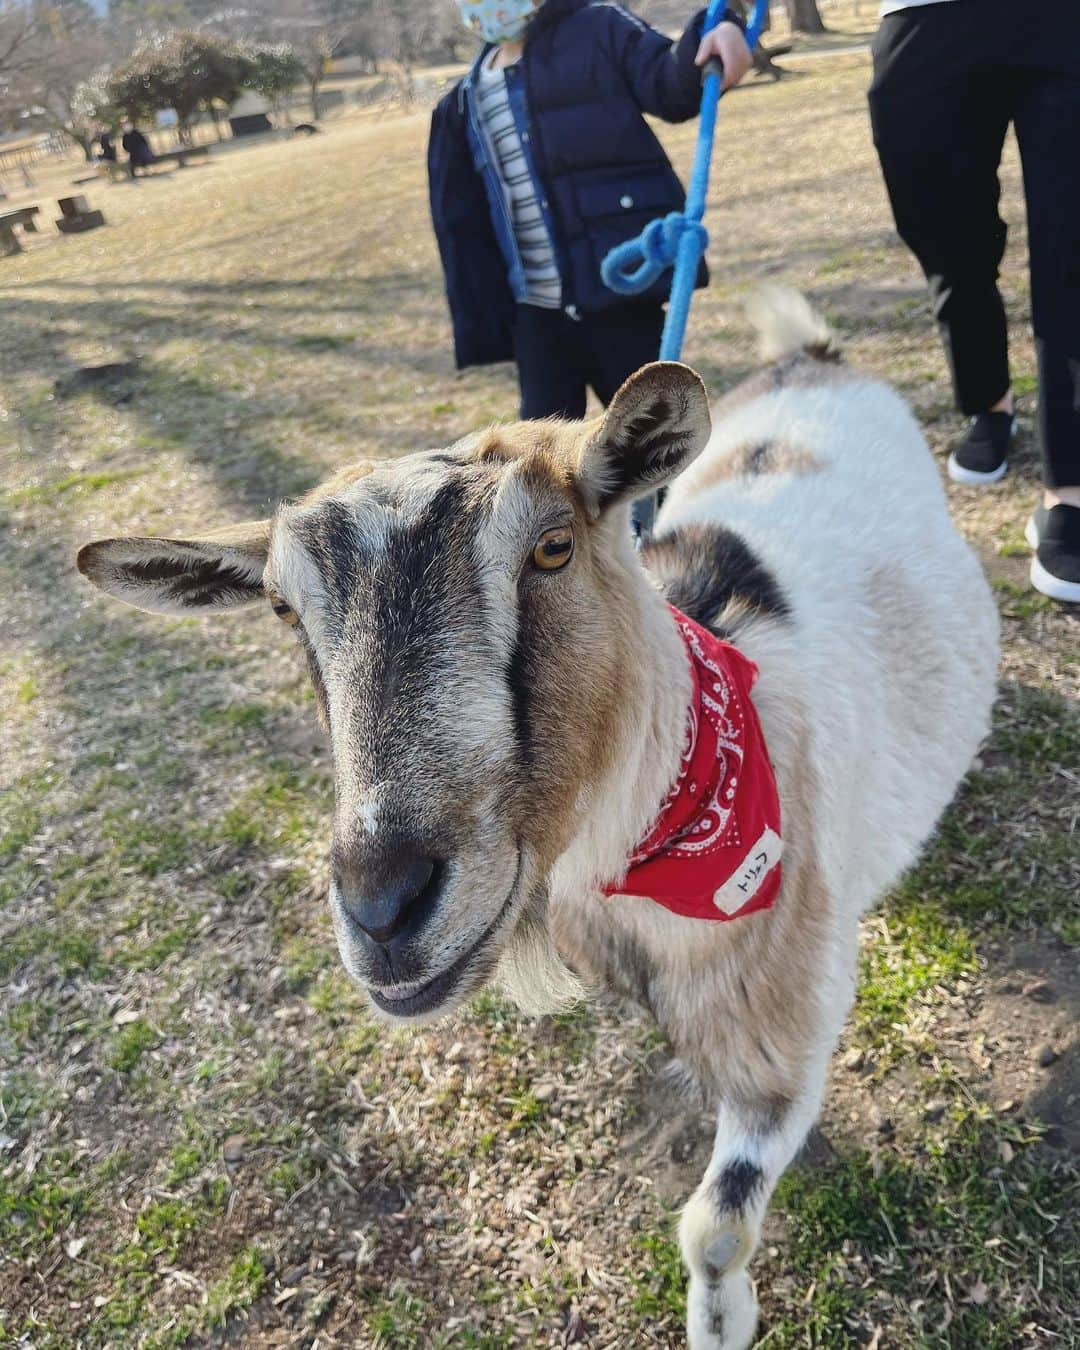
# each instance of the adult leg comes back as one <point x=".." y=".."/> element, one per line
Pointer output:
<point x="939" y="114"/>
<point x="551" y="380"/>
<point x="1048" y="129"/>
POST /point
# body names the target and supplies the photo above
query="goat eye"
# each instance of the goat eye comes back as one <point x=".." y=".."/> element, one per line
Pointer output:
<point x="285" y="612"/>
<point x="554" y="549"/>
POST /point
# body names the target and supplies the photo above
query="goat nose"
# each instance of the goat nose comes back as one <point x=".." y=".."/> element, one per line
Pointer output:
<point x="381" y="893"/>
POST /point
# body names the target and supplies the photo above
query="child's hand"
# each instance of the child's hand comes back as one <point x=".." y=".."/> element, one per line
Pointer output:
<point x="727" y="43"/>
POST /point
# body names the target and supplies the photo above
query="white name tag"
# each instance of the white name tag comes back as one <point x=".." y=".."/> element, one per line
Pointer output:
<point x="745" y="882"/>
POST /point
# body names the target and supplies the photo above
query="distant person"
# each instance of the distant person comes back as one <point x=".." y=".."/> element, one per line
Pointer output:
<point x="139" y="154"/>
<point x="949" y="77"/>
<point x="540" y="161"/>
<point x="107" y="153"/>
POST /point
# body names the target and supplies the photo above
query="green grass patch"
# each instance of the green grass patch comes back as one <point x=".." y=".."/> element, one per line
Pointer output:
<point x="21" y="814"/>
<point x="1040" y="729"/>
<point x="304" y="960"/>
<point x="65" y="948"/>
<point x="27" y="690"/>
<point x="130" y="1044"/>
<point x="163" y="1226"/>
<point x="574" y="1033"/>
<point x="162" y="1230"/>
<point x="324" y="342"/>
<point x="147" y="843"/>
<point x="238" y="716"/>
<point x="660" y="1291"/>
<point x="40" y="493"/>
<point x="335" y="998"/>
<point x="396" y="1322"/>
<point x="285" y="807"/>
<point x="902" y="968"/>
<point x="75" y="952"/>
<point x="37" y="1207"/>
<point x="195" y="1151"/>
<point x="850" y="259"/>
<point x="951" y="1210"/>
<point x="153" y="953"/>
<point x="1017" y="601"/>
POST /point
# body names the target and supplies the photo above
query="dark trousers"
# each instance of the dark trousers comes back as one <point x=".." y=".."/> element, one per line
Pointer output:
<point x="948" y="80"/>
<point x="559" y="358"/>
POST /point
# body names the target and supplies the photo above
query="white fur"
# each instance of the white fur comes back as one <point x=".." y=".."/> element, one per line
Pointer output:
<point x="785" y="322"/>
<point x="877" y="507"/>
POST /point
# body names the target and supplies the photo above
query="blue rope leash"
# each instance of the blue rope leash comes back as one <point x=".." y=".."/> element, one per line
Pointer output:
<point x="678" y="240"/>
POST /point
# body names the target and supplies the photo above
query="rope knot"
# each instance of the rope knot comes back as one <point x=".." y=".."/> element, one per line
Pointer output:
<point x="635" y="265"/>
<point x="661" y="238"/>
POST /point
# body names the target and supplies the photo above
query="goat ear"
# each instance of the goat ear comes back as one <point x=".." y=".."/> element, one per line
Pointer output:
<point x="180" y="576"/>
<point x="654" y="426"/>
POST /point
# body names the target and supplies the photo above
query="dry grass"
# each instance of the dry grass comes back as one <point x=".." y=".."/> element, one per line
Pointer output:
<point x="202" y="1137"/>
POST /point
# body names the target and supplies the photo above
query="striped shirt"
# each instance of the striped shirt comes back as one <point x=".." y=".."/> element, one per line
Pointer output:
<point x="891" y="6"/>
<point x="542" y="285"/>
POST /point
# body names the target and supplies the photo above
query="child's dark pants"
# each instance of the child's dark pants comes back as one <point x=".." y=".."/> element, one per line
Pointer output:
<point x="948" y="80"/>
<point x="559" y="358"/>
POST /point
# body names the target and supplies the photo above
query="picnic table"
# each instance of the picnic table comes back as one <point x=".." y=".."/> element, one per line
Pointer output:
<point x="182" y="154"/>
<point x="21" y="215"/>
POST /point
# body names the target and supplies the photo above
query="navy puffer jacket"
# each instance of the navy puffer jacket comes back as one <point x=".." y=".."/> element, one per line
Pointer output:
<point x="589" y="72"/>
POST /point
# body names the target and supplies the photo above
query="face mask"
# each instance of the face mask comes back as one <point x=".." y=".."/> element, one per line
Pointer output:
<point x="497" y="20"/>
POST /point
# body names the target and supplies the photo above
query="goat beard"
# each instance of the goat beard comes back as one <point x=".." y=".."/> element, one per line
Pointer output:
<point x="530" y="970"/>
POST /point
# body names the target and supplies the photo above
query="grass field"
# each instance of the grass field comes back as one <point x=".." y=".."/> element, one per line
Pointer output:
<point x="203" y="1139"/>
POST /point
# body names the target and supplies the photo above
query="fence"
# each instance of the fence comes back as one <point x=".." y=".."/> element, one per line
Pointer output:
<point x="31" y="152"/>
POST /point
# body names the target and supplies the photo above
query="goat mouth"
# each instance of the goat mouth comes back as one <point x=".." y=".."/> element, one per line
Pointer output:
<point x="415" y="998"/>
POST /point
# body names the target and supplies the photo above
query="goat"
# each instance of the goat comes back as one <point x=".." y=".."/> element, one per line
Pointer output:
<point x="506" y="693"/>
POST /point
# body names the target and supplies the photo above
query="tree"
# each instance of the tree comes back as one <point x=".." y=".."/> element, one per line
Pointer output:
<point x="52" y="65"/>
<point x="805" y="16"/>
<point x="275" y="72"/>
<point x="20" y="25"/>
<point x="314" y="40"/>
<point x="183" y="71"/>
<point x="318" y="30"/>
<point x="413" y="30"/>
<point x="146" y="83"/>
<point x="220" y="68"/>
<point x="93" y="106"/>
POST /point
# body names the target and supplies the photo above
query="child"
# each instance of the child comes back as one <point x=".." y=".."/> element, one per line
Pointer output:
<point x="540" y="161"/>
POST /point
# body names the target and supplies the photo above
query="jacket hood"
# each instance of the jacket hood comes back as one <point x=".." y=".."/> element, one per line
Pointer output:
<point x="552" y="12"/>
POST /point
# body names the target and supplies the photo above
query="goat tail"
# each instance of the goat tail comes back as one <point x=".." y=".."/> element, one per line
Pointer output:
<point x="787" y="323"/>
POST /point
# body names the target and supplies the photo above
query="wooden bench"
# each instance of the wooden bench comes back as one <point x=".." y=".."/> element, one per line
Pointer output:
<point x="108" y="169"/>
<point x="764" y="59"/>
<point x="180" y="156"/>
<point x="9" y="240"/>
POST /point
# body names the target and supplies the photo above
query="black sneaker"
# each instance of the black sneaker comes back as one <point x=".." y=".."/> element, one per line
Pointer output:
<point x="1054" y="534"/>
<point x="980" y="456"/>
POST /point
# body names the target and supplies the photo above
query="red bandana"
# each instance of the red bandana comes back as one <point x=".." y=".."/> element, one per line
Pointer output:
<point x="714" y="849"/>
